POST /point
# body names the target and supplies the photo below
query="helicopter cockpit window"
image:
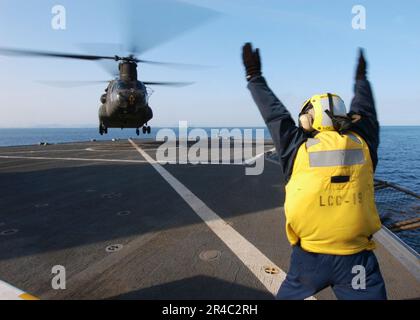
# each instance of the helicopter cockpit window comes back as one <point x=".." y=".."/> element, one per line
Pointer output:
<point x="123" y="85"/>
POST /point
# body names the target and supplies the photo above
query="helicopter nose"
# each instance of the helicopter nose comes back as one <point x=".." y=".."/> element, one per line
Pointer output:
<point x="127" y="98"/>
<point x="132" y="99"/>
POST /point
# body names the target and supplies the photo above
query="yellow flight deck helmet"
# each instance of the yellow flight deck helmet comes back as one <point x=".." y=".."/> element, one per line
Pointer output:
<point x="322" y="112"/>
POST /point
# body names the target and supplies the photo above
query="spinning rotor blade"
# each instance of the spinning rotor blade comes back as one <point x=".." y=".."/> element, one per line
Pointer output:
<point x="147" y="24"/>
<point x="112" y="48"/>
<point x="47" y="54"/>
<point x="171" y="64"/>
<point x="106" y="49"/>
<point x="88" y="57"/>
<point x="169" y="84"/>
<point x="72" y="84"/>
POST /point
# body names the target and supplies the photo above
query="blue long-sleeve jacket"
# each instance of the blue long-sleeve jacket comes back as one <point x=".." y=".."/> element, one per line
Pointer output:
<point x="288" y="137"/>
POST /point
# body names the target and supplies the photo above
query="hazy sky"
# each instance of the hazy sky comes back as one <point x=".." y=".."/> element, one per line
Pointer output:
<point x="307" y="47"/>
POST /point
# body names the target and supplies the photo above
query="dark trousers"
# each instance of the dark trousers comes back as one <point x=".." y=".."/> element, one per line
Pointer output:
<point x="352" y="277"/>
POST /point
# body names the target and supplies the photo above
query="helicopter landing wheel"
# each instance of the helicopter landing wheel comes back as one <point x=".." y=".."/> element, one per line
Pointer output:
<point x="149" y="130"/>
<point x="138" y="131"/>
<point x="144" y="130"/>
<point x="102" y="129"/>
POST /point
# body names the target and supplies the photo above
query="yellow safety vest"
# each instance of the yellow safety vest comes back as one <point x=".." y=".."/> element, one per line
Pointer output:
<point x="330" y="205"/>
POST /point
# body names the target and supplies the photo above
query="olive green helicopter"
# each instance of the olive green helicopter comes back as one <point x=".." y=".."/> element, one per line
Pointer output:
<point x="125" y="102"/>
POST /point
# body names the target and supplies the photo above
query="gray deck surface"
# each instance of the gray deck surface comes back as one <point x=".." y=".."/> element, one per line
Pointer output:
<point x="66" y="213"/>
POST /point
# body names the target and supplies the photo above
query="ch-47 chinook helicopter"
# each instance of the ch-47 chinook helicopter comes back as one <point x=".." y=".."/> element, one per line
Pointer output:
<point x="125" y="101"/>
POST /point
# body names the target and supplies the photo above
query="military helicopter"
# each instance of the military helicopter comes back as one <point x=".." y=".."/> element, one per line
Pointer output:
<point x="125" y="103"/>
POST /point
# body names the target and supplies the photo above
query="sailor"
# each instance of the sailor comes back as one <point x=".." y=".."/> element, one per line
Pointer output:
<point x="328" y="161"/>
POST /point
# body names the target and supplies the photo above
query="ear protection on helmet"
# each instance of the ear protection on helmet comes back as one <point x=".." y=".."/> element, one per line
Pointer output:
<point x="306" y="117"/>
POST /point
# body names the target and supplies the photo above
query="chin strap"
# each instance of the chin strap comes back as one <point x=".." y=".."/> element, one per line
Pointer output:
<point x="340" y="123"/>
<point x="331" y="105"/>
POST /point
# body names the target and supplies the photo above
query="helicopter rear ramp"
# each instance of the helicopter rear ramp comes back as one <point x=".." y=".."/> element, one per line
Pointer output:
<point x="125" y="226"/>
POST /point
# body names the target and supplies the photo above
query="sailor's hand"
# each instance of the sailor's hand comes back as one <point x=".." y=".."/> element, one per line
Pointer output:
<point x="252" y="61"/>
<point x="361" y="67"/>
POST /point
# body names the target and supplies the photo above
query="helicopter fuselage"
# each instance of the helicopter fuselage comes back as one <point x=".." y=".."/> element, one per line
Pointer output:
<point x="125" y="105"/>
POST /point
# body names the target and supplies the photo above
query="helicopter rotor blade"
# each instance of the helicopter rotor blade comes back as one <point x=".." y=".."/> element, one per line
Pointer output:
<point x="49" y="54"/>
<point x="88" y="57"/>
<point x="143" y="14"/>
<point x="107" y="49"/>
<point x="168" y="84"/>
<point x="72" y="84"/>
<point x="184" y="17"/>
<point x="171" y="64"/>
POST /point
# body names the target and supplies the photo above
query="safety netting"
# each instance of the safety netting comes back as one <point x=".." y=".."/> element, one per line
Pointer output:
<point x="399" y="210"/>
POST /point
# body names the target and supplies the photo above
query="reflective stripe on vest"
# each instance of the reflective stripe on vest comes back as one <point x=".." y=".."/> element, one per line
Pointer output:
<point x="312" y="142"/>
<point x="336" y="158"/>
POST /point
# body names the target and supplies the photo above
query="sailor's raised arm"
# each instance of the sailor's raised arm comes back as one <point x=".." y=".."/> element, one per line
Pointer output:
<point x="270" y="106"/>
<point x="363" y="109"/>
<point x="363" y="102"/>
<point x="287" y="137"/>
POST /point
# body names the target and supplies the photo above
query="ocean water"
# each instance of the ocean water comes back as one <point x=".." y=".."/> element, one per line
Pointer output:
<point x="399" y="156"/>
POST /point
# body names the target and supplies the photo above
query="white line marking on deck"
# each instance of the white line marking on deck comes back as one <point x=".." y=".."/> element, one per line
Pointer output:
<point x="252" y="160"/>
<point x="250" y="256"/>
<point x="39" y="151"/>
<point x="72" y="159"/>
<point x="106" y="160"/>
